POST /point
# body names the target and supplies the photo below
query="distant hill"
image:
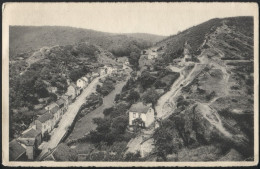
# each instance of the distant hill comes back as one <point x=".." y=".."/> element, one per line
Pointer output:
<point x="25" y="38"/>
<point x="147" y="37"/>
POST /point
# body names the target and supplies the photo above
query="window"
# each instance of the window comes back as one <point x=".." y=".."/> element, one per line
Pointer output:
<point x="134" y="115"/>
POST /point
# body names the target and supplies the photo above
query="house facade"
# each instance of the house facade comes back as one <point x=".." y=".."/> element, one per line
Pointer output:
<point x="55" y="111"/>
<point x="61" y="103"/>
<point x="44" y="123"/>
<point x="66" y="103"/>
<point x="31" y="140"/>
<point x="82" y="82"/>
<point x="102" y="71"/>
<point x="141" y="114"/>
<point x="52" y="89"/>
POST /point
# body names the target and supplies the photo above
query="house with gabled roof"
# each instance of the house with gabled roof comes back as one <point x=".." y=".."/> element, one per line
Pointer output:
<point x="141" y="114"/>
<point x="31" y="140"/>
<point x="61" y="103"/>
<point x="55" y="111"/>
<point x="32" y="134"/>
<point x="66" y="103"/>
<point x="16" y="151"/>
<point x="44" y="123"/>
<point x="42" y="111"/>
<point x="72" y="91"/>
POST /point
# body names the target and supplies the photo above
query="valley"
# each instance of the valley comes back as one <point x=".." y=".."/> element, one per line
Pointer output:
<point x="187" y="97"/>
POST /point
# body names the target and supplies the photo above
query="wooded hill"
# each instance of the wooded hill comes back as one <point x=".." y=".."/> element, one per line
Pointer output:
<point x="25" y="38"/>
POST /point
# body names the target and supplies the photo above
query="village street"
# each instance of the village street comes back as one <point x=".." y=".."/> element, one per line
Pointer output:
<point x="86" y="124"/>
<point x="67" y="119"/>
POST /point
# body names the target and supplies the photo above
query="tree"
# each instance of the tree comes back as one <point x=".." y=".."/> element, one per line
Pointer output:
<point x="119" y="124"/>
<point x="133" y="156"/>
<point x="40" y="88"/>
<point x="108" y="111"/>
<point x="103" y="125"/>
<point x="163" y="142"/>
<point x="53" y="98"/>
<point x="46" y="136"/>
<point x="133" y="96"/>
<point x="151" y="96"/>
<point x="146" y="79"/>
<point x="134" y="58"/>
<point x="64" y="153"/>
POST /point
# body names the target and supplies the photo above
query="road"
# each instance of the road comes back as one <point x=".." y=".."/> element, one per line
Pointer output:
<point x="67" y="119"/>
<point x="86" y="124"/>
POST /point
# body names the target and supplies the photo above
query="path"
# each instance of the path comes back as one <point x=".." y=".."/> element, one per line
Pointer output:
<point x="163" y="108"/>
<point x="67" y="119"/>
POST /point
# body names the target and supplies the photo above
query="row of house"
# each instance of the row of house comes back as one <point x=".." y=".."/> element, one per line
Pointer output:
<point x="25" y="147"/>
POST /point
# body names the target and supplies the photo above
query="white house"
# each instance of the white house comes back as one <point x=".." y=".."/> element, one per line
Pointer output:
<point x="102" y="71"/>
<point x="52" y="89"/>
<point x="141" y="114"/>
<point x="152" y="55"/>
<point x="109" y="69"/>
<point x="72" y="91"/>
<point x="82" y="82"/>
<point x="95" y="73"/>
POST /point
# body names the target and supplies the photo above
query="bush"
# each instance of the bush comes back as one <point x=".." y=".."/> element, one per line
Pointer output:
<point x="46" y="136"/>
<point x="133" y="156"/>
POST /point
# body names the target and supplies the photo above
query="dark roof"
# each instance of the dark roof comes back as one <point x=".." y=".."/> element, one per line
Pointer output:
<point x="139" y="107"/>
<point x="95" y="71"/>
<point x="60" y="102"/>
<point x="43" y="118"/>
<point x="42" y="111"/>
<point x="54" y="110"/>
<point x="31" y="134"/>
<point x="15" y="150"/>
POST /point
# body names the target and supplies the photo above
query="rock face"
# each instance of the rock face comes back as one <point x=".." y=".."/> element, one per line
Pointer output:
<point x="194" y="126"/>
<point x="232" y="155"/>
<point x="201" y="125"/>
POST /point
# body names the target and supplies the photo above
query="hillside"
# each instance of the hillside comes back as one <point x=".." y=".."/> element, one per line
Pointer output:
<point x="200" y="84"/>
<point x="25" y="38"/>
<point x="196" y="35"/>
<point x="209" y="109"/>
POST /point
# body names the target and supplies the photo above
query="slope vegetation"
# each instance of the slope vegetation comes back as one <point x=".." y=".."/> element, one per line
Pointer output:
<point x="207" y="107"/>
<point x="24" y="38"/>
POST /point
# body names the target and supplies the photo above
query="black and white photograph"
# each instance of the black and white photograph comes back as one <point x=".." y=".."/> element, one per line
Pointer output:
<point x="130" y="84"/>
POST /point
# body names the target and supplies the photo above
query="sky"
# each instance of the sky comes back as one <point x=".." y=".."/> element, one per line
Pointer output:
<point x="155" y="18"/>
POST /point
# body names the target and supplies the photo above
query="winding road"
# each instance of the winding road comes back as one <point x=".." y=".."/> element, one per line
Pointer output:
<point x="67" y="119"/>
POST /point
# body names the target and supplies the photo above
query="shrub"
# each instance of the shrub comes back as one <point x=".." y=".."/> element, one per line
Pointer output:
<point x="46" y="136"/>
